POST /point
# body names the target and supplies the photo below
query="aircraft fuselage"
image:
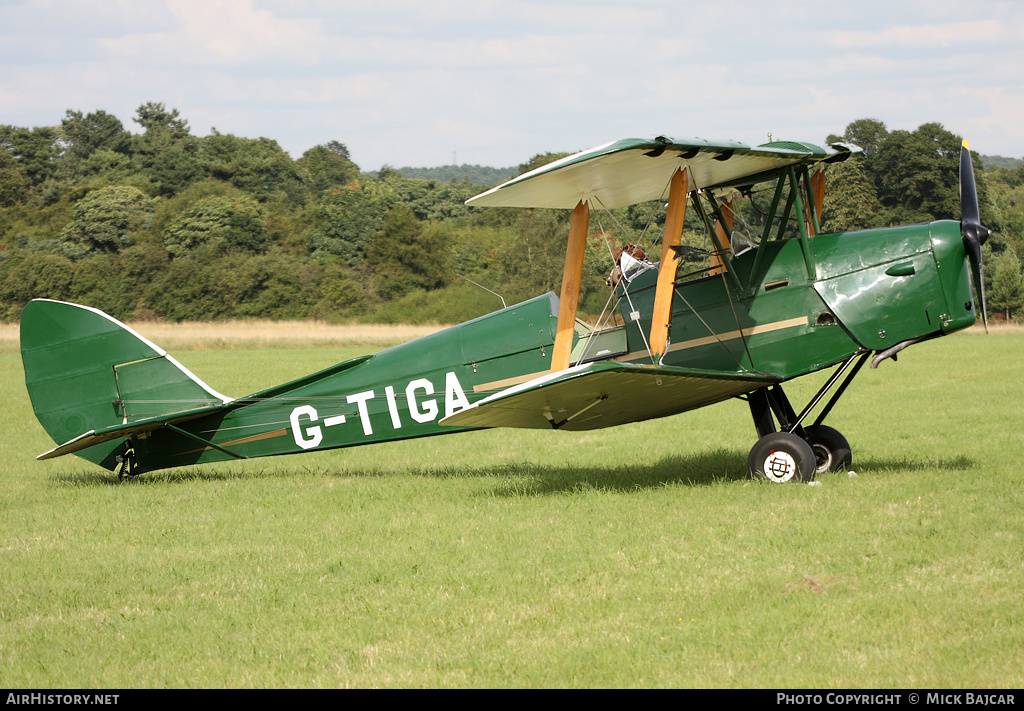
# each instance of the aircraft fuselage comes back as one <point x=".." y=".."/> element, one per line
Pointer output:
<point x="800" y="312"/>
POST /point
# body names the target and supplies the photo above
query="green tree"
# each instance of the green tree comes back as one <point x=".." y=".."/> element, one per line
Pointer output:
<point x="328" y="166"/>
<point x="429" y="199"/>
<point x="105" y="220"/>
<point x="95" y="131"/>
<point x="405" y="256"/>
<point x="26" y="275"/>
<point x="222" y="223"/>
<point x="348" y="218"/>
<point x="170" y="169"/>
<point x="336" y="292"/>
<point x="257" y="166"/>
<point x="35" y="150"/>
<point x="476" y="174"/>
<point x="533" y="260"/>
<point x="851" y="202"/>
<point x="917" y="174"/>
<point x="866" y="133"/>
<point x="1007" y="292"/>
<point x="81" y="136"/>
<point x="1006" y="192"/>
<point x="106" y="166"/>
<point x="14" y="184"/>
<point x="166" y="154"/>
<point x="154" y="116"/>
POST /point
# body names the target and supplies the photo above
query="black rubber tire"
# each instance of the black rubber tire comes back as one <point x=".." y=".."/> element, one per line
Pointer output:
<point x="831" y="450"/>
<point x="781" y="457"/>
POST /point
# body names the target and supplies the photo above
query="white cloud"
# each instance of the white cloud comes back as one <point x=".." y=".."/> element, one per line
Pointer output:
<point x="961" y="35"/>
<point x="408" y="82"/>
<point x="217" y="32"/>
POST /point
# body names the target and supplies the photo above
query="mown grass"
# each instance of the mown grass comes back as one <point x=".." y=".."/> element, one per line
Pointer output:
<point x="637" y="556"/>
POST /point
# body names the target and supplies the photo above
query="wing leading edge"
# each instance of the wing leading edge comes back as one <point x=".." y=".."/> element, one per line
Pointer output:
<point x="598" y="395"/>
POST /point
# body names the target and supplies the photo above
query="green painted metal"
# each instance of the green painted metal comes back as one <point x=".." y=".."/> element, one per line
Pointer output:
<point x="954" y="276"/>
<point x="398" y="393"/>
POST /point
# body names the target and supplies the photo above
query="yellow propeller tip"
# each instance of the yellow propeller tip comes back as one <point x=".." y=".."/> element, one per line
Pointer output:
<point x="967" y="145"/>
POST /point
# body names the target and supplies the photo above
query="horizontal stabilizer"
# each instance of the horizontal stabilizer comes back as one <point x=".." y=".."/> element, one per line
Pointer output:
<point x="94" y="437"/>
<point x="597" y="395"/>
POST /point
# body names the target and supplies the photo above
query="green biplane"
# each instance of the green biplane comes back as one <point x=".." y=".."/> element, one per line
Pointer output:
<point x="771" y="302"/>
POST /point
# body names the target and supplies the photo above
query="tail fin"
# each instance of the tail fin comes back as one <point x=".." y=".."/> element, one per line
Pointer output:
<point x="86" y="371"/>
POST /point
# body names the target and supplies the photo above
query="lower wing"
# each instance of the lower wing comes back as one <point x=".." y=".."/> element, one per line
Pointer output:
<point x="605" y="394"/>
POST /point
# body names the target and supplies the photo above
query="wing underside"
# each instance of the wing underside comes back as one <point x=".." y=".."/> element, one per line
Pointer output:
<point x="636" y="170"/>
<point x="598" y="395"/>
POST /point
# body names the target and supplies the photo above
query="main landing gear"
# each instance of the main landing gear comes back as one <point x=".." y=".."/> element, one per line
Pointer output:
<point x="793" y="452"/>
<point x="128" y="463"/>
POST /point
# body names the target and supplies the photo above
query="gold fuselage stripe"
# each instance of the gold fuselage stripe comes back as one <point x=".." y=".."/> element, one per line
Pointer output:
<point x="640" y="355"/>
<point x="252" y="438"/>
<point x="508" y="382"/>
<point x="729" y="336"/>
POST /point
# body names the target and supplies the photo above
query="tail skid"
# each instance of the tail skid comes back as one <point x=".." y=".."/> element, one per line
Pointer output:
<point x="93" y="381"/>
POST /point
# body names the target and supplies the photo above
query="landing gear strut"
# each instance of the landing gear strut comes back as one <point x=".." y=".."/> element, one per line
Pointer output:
<point x="129" y="463"/>
<point x="794" y="452"/>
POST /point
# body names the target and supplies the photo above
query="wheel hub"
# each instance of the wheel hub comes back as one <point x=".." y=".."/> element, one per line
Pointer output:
<point x="822" y="458"/>
<point x="779" y="466"/>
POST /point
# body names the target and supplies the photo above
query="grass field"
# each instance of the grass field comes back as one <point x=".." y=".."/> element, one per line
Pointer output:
<point x="633" y="557"/>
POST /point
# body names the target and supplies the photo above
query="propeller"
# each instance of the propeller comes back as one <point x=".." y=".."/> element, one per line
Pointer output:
<point x="974" y="233"/>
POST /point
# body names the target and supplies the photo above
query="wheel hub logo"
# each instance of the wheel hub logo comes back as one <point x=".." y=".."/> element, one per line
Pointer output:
<point x="779" y="466"/>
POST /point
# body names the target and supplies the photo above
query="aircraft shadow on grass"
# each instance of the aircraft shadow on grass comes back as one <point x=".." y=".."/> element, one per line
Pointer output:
<point x="516" y="478"/>
<point x="705" y="469"/>
<point x="959" y="463"/>
<point x="525" y="479"/>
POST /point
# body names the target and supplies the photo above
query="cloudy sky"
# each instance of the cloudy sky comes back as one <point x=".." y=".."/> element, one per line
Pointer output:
<point x="494" y="82"/>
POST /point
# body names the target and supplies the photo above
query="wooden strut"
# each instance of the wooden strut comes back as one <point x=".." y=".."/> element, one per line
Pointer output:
<point x="572" y="275"/>
<point x="678" y="189"/>
<point x="818" y="198"/>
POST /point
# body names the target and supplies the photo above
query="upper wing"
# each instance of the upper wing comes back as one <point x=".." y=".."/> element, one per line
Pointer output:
<point x="637" y="170"/>
<point x="604" y="394"/>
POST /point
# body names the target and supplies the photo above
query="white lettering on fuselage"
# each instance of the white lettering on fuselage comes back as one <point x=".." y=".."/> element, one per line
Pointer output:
<point x="422" y="409"/>
<point x="313" y="435"/>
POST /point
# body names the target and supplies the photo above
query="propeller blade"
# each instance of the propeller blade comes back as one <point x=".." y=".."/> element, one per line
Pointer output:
<point x="978" y="275"/>
<point x="974" y="233"/>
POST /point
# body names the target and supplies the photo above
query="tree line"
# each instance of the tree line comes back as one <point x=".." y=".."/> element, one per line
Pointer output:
<point x="164" y="224"/>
